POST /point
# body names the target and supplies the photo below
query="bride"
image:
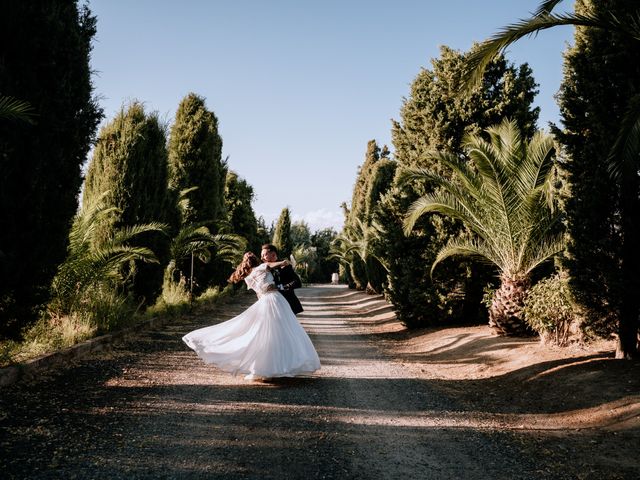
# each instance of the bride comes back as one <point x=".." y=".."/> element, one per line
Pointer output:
<point x="264" y="341"/>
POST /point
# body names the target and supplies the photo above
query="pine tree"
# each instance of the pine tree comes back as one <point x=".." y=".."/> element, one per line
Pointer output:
<point x="601" y="74"/>
<point x="436" y="116"/>
<point x="128" y="171"/>
<point x="282" y="234"/>
<point x="44" y="60"/>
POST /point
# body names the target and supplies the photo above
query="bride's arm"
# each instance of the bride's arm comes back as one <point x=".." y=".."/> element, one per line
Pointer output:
<point x="282" y="263"/>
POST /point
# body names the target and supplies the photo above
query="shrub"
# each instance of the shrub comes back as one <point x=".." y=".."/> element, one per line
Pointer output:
<point x="210" y="295"/>
<point x="550" y="311"/>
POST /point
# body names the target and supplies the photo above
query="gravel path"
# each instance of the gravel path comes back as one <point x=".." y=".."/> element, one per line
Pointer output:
<point x="150" y="409"/>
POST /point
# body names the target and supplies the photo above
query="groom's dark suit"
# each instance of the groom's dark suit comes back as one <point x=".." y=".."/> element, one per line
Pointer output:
<point x="287" y="280"/>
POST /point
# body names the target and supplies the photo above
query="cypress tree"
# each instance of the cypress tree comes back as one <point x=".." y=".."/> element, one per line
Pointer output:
<point x="436" y="116"/>
<point x="129" y="163"/>
<point x="358" y="200"/>
<point x="282" y="234"/>
<point x="238" y="195"/>
<point x="355" y="220"/>
<point x="601" y="74"/>
<point x="195" y="160"/>
<point x="44" y="60"/>
<point x="380" y="181"/>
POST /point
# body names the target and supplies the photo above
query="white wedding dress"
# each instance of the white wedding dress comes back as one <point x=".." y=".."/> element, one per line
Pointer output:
<point x="266" y="340"/>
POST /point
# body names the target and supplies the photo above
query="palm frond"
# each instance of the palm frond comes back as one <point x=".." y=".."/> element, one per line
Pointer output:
<point x="469" y="248"/>
<point x="543" y="251"/>
<point x="83" y="270"/>
<point x="488" y="50"/>
<point x="88" y="221"/>
<point x="410" y="174"/>
<point x="127" y="233"/>
<point x="443" y="203"/>
<point x="193" y="239"/>
<point x="342" y="249"/>
<point x="537" y="163"/>
<point x="497" y="184"/>
<point x="459" y="166"/>
<point x="14" y="109"/>
<point x="541" y="229"/>
<point x="111" y="258"/>
<point x="547" y="7"/>
<point x="230" y="247"/>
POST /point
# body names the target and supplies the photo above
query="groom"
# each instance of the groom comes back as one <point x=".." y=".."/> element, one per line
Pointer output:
<point x="285" y="277"/>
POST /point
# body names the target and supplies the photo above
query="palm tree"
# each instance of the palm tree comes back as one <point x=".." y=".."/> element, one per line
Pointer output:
<point x="624" y="155"/>
<point x="305" y="260"/>
<point x="354" y="249"/>
<point x="347" y="252"/>
<point x="195" y="241"/>
<point x="92" y="261"/>
<point x="505" y="200"/>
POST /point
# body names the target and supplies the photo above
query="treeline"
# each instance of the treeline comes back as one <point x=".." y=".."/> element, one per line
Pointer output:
<point x="309" y="251"/>
<point x="162" y="217"/>
<point x="552" y="217"/>
<point x="158" y="222"/>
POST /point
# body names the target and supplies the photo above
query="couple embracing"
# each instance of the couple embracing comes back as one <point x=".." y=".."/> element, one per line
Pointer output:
<point x="266" y="340"/>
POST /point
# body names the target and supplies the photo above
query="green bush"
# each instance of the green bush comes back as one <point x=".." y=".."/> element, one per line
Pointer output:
<point x="550" y="311"/>
<point x="210" y="295"/>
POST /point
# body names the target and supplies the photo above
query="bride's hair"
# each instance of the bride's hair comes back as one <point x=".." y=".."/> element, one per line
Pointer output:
<point x="249" y="261"/>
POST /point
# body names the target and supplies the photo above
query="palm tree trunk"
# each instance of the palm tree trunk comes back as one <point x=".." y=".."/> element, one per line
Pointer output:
<point x="506" y="311"/>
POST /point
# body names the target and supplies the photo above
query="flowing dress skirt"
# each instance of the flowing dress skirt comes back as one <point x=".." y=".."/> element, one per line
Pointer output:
<point x="266" y="340"/>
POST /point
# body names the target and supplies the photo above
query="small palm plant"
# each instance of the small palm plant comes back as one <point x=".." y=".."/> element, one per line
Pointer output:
<point x="94" y="263"/>
<point x="354" y="249"/>
<point x="505" y="199"/>
<point x="305" y="260"/>
<point x="196" y="242"/>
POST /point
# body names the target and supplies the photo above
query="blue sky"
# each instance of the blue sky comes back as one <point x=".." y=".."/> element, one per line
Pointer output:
<point x="299" y="87"/>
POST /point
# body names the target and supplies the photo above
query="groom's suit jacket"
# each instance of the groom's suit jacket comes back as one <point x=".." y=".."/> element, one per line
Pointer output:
<point x="287" y="280"/>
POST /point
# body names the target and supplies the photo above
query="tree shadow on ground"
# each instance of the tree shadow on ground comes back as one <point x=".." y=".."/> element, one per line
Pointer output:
<point x="133" y="414"/>
<point x="79" y="424"/>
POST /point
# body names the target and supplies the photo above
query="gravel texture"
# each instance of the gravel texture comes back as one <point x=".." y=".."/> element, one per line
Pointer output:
<point x="150" y="409"/>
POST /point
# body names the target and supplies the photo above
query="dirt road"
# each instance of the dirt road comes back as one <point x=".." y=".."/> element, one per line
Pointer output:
<point x="151" y="409"/>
